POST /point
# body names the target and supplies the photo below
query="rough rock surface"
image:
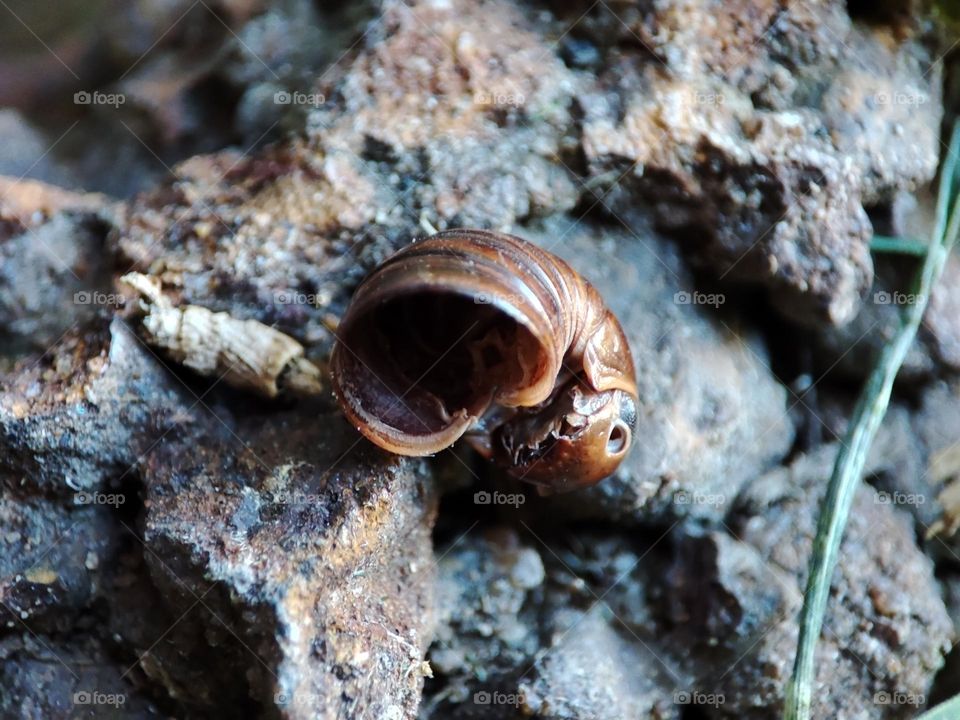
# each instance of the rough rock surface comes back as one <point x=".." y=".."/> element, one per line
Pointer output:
<point x="848" y="350"/>
<point x="285" y="564"/>
<point x="53" y="559"/>
<point x="79" y="417"/>
<point x="886" y="630"/>
<point x="714" y="610"/>
<point x="762" y="195"/>
<point x="884" y="109"/>
<point x="317" y="561"/>
<point x="936" y="429"/>
<point x="280" y="238"/>
<point x="465" y="100"/>
<point x="298" y="546"/>
<point x="579" y="622"/>
<point x="50" y="678"/>
<point x="52" y="268"/>
<point x="769" y="193"/>
<point x="915" y="462"/>
<point x="488" y="588"/>
<point x="516" y="640"/>
<point x="585" y="646"/>
<point x="768" y="49"/>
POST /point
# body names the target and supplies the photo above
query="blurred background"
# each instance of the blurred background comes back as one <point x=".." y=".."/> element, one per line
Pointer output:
<point x="105" y="95"/>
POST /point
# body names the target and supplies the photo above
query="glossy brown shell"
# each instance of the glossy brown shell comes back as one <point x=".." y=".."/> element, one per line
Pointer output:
<point x="466" y="321"/>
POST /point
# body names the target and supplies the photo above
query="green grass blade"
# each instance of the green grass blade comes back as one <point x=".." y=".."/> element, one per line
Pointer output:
<point x="897" y="245"/>
<point x="948" y="184"/>
<point x="947" y="710"/>
<point x="864" y="424"/>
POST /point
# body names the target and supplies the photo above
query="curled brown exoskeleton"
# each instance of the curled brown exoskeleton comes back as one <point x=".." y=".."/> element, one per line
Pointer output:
<point x="484" y="335"/>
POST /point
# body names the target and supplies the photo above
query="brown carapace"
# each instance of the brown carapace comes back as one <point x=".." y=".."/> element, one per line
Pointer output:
<point x="484" y="335"/>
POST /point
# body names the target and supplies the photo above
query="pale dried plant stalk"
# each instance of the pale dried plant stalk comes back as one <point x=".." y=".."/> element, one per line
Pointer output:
<point x="245" y="354"/>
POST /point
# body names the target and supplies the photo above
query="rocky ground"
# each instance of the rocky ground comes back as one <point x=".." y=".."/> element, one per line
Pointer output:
<point x="173" y="547"/>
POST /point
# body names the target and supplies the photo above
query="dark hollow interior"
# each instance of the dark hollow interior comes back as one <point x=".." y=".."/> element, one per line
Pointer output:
<point x="428" y="355"/>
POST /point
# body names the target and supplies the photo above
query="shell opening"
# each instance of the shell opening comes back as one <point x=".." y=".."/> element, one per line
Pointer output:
<point x="418" y="369"/>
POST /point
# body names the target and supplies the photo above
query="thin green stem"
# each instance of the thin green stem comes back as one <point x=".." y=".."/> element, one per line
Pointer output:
<point x="898" y="245"/>
<point x="867" y="415"/>
<point x="947" y="710"/>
